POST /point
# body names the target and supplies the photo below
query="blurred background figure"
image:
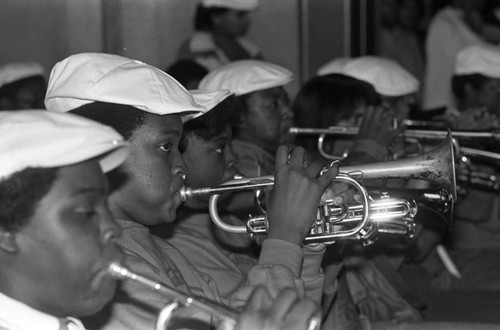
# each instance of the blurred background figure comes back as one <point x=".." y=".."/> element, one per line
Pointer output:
<point x="22" y="86"/>
<point x="221" y="26"/>
<point x="476" y="89"/>
<point x="401" y="38"/>
<point x="452" y="28"/>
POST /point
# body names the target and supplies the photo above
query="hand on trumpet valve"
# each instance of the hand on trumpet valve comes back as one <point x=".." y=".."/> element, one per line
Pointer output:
<point x="293" y="201"/>
<point x="287" y="311"/>
<point x="378" y="125"/>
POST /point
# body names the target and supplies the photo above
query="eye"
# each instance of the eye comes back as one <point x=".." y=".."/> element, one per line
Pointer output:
<point x="220" y="150"/>
<point x="166" y="147"/>
<point x="85" y="214"/>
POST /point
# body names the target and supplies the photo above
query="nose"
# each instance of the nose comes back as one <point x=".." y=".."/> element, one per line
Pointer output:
<point x="230" y="157"/>
<point x="179" y="168"/>
<point x="110" y="230"/>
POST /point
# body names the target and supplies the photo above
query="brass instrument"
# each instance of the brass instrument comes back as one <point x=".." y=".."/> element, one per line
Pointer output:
<point x="436" y="166"/>
<point x="176" y="300"/>
<point x="416" y="134"/>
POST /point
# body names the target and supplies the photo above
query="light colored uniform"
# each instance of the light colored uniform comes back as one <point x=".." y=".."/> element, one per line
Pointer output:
<point x="197" y="267"/>
<point x="252" y="159"/>
<point x="14" y="315"/>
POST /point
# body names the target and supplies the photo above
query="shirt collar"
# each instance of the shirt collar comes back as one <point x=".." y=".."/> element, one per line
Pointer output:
<point x="17" y="315"/>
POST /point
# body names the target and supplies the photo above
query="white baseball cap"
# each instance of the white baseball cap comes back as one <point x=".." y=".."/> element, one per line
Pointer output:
<point x="16" y="71"/>
<point x="335" y="65"/>
<point x="88" y="77"/>
<point x="387" y="76"/>
<point x="38" y="138"/>
<point x="246" y="5"/>
<point x="246" y="76"/>
<point x="481" y="59"/>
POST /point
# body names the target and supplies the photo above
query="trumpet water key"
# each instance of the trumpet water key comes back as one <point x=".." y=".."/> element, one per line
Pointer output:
<point x="355" y="222"/>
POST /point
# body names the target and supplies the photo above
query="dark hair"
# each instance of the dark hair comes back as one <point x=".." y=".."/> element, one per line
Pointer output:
<point x="212" y="123"/>
<point x="203" y="17"/>
<point x="186" y="71"/>
<point x="325" y="100"/>
<point x="458" y="83"/>
<point x="21" y="193"/>
<point x="10" y="90"/>
<point x="125" y="119"/>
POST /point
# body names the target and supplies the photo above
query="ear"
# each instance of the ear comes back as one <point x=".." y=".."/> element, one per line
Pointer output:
<point x="8" y="241"/>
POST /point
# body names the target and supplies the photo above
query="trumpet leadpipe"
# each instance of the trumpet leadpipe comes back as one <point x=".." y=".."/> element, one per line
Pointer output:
<point x="408" y="133"/>
<point x="220" y="313"/>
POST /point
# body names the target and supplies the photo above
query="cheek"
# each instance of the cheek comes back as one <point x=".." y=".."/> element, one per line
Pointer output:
<point x="150" y="175"/>
<point x="204" y="173"/>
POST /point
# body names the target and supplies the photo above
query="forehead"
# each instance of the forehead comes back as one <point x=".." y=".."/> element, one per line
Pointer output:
<point x="268" y="94"/>
<point x="81" y="178"/>
<point x="157" y="126"/>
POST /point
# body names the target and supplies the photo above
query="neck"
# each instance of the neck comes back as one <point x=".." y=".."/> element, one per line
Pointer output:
<point x="268" y="147"/>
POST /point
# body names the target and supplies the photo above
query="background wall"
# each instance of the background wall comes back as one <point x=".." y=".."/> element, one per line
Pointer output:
<point x="152" y="30"/>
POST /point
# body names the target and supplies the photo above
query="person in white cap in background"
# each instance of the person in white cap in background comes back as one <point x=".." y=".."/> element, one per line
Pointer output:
<point x="57" y="236"/>
<point x="219" y="37"/>
<point x="266" y="115"/>
<point x="475" y="85"/>
<point x="145" y="105"/>
<point x="474" y="238"/>
<point x="22" y="86"/>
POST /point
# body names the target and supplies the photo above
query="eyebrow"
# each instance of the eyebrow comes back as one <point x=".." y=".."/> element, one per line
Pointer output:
<point x="89" y="190"/>
<point x="171" y="132"/>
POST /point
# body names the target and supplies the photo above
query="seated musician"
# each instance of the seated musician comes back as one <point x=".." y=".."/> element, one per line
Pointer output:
<point x="474" y="239"/>
<point x="339" y="99"/>
<point x="54" y="220"/>
<point x="57" y="237"/>
<point x="145" y="105"/>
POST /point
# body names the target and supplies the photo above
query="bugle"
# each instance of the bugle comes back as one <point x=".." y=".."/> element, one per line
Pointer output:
<point x="176" y="300"/>
<point x="436" y="166"/>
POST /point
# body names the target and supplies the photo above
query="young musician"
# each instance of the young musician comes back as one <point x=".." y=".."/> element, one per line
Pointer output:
<point x="145" y="105"/>
<point x="57" y="236"/>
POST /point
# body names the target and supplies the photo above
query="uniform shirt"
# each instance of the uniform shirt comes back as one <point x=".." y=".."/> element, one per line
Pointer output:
<point x="137" y="307"/>
<point x="15" y="315"/>
<point x="194" y="235"/>
<point x="252" y="159"/>
<point x="201" y="47"/>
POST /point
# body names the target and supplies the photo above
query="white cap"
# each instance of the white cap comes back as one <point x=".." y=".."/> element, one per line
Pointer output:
<point x="333" y="66"/>
<point x="246" y="76"/>
<point x="208" y="97"/>
<point x="481" y="59"/>
<point x="15" y="71"/>
<point x="245" y="5"/>
<point x="387" y="76"/>
<point x="85" y="78"/>
<point x="38" y="138"/>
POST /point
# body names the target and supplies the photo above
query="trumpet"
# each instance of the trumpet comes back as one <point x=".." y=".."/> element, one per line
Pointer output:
<point x="415" y="134"/>
<point x="331" y="225"/>
<point x="177" y="300"/>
